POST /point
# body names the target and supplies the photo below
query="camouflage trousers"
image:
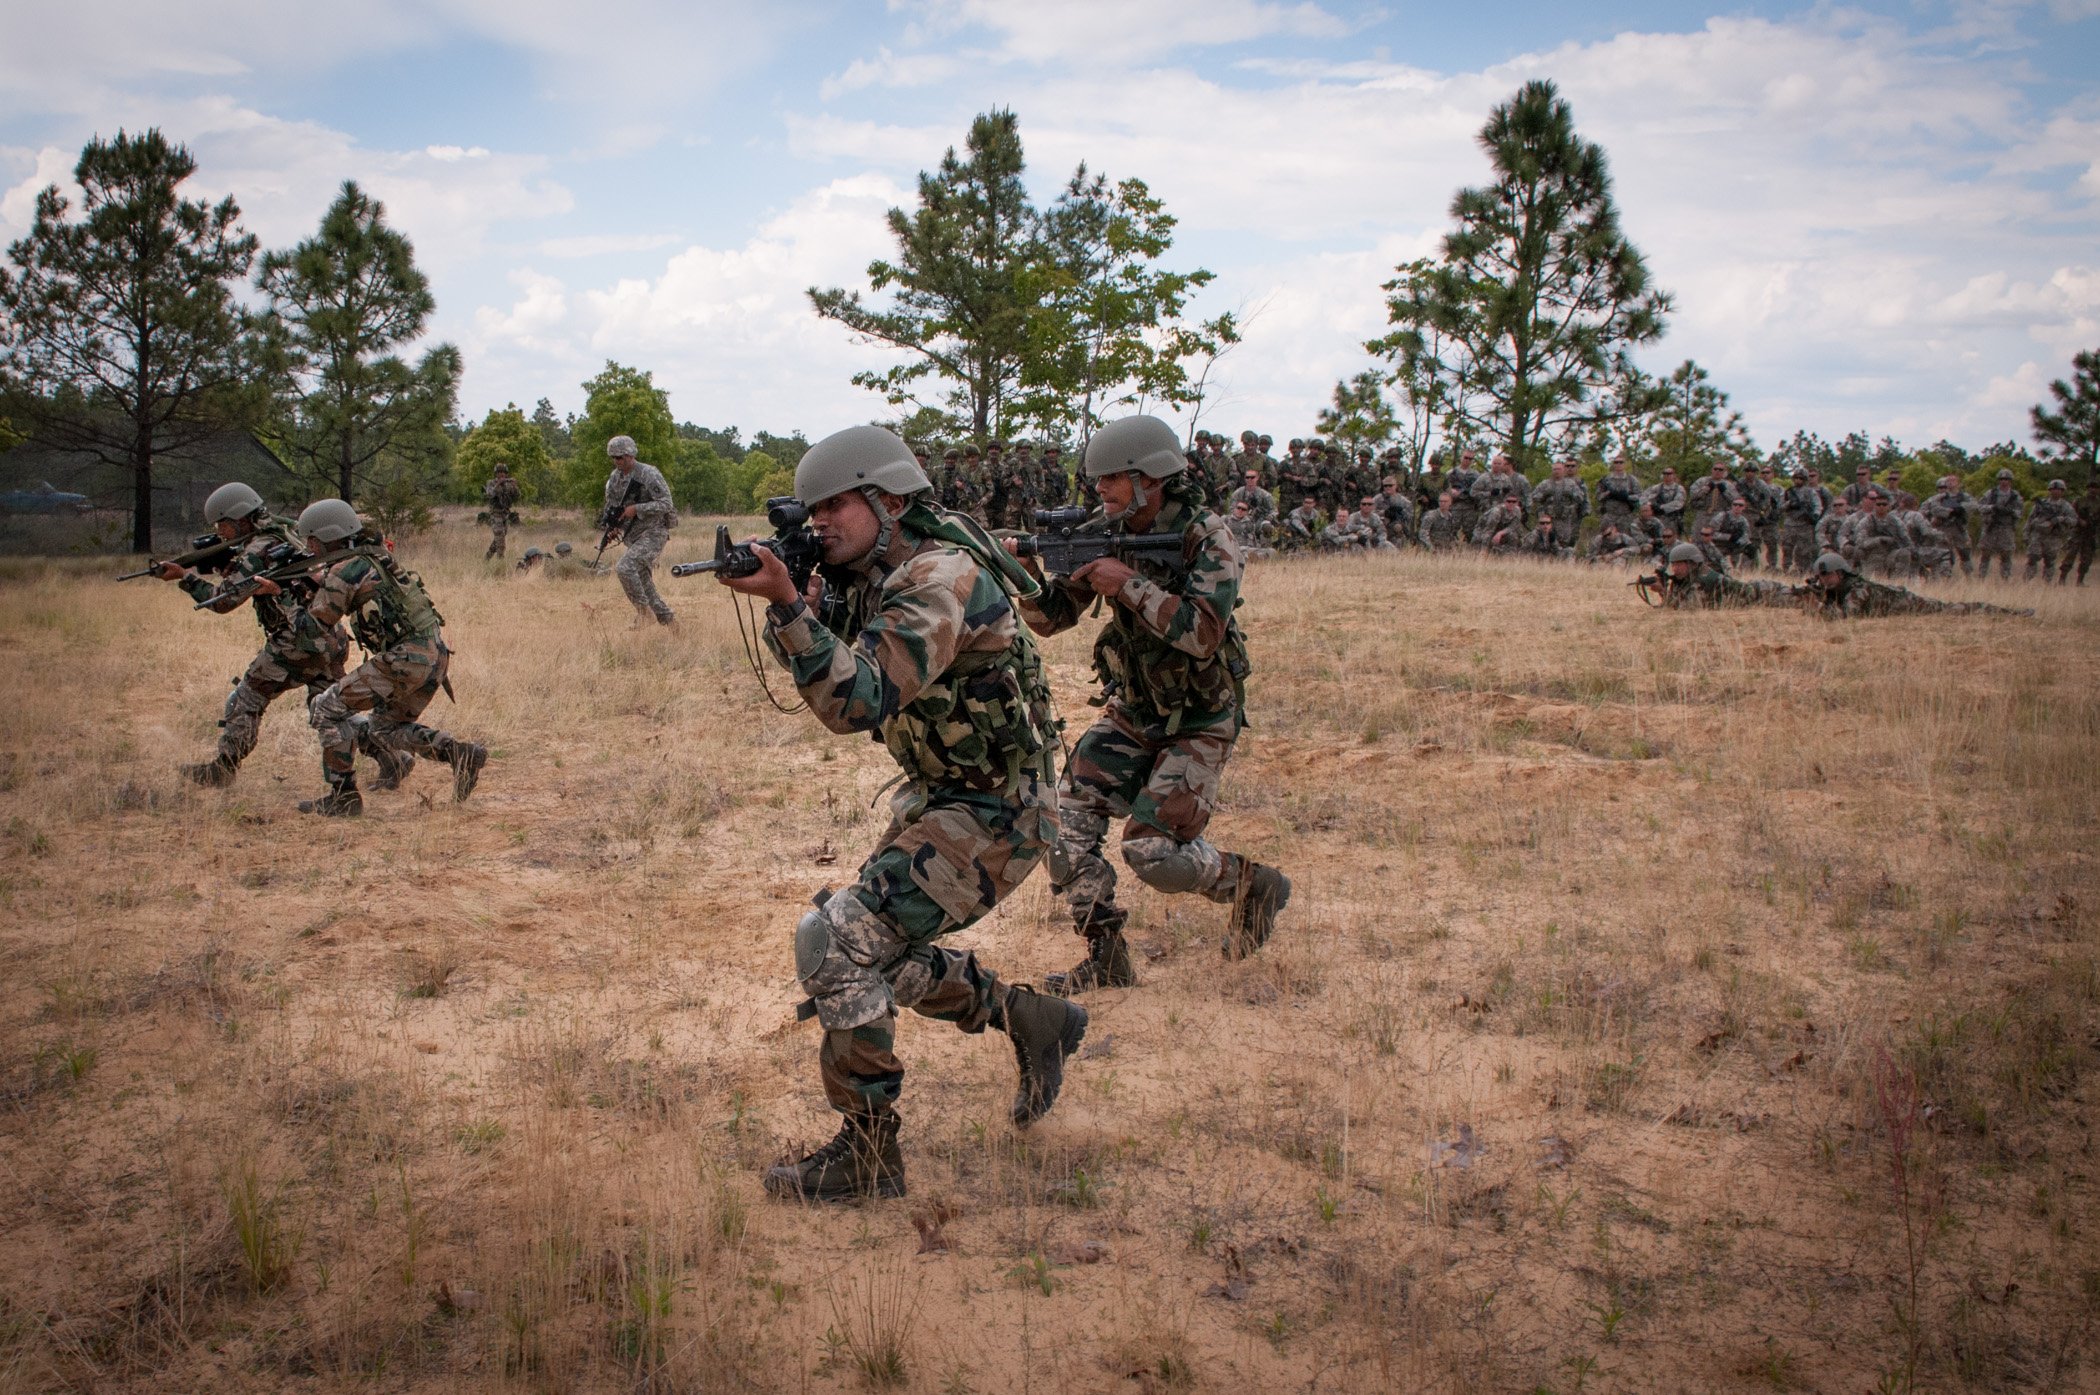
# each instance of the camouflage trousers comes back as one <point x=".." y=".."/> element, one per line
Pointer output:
<point x="869" y="948"/>
<point x="1166" y="788"/>
<point x="269" y="676"/>
<point x="1797" y="547"/>
<point x="1998" y="543"/>
<point x="636" y="576"/>
<point x="499" y="535"/>
<point x="391" y="690"/>
<point x="2078" y="555"/>
<point x="1956" y="540"/>
<point x="2042" y="555"/>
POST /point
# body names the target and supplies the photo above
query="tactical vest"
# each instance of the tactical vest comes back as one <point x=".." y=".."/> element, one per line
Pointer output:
<point x="1157" y="681"/>
<point x="399" y="610"/>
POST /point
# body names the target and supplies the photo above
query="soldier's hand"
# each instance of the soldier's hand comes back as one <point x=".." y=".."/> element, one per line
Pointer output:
<point x="1105" y="574"/>
<point x="770" y="583"/>
<point x="267" y="587"/>
<point x="627" y="513"/>
<point x="168" y="571"/>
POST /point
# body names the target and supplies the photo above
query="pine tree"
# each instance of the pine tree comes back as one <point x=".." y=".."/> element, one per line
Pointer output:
<point x="2071" y="433"/>
<point x="120" y="329"/>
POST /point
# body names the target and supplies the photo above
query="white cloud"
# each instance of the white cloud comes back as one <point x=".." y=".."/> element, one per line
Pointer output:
<point x="47" y="167"/>
<point x="451" y="154"/>
<point x="605" y="244"/>
<point x="1030" y="31"/>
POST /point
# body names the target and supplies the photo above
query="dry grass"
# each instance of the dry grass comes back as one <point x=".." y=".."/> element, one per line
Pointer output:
<point x="1668" y="1002"/>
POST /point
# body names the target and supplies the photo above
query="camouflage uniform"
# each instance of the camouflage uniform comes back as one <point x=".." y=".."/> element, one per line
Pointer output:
<point x="2050" y="524"/>
<point x="1441" y="529"/>
<point x="1544" y="541"/>
<point x="1832" y="530"/>
<point x="929" y="658"/>
<point x="1498" y="484"/>
<point x="1173" y="665"/>
<point x="501" y="494"/>
<point x="1708" y="589"/>
<point x="1668" y="501"/>
<point x="644" y="536"/>
<point x="1708" y="496"/>
<point x="1563" y="497"/>
<point x="405" y="665"/>
<point x="1501" y="530"/>
<point x="2080" y="553"/>
<point x="1800" y="510"/>
<point x="1618" y="496"/>
<point x="1764" y="499"/>
<point x="1398" y="512"/>
<point x="1460" y="482"/>
<point x="298" y="650"/>
<point x="2001" y="507"/>
<point x="1612" y="545"/>
<point x="1857" y="598"/>
<point x="1301" y="526"/>
<point x="1948" y="512"/>
<point x="1260" y="502"/>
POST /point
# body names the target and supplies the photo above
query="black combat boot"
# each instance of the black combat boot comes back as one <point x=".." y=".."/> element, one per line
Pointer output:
<point x="212" y="774"/>
<point x="862" y="1161"/>
<point x="393" y="766"/>
<point x="341" y="802"/>
<point x="1263" y="892"/>
<point x="1045" y="1030"/>
<point x="467" y="758"/>
<point x="1107" y="962"/>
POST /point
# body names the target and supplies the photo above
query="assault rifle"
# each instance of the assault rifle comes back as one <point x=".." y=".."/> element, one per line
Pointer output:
<point x="1063" y="549"/>
<point x="284" y="562"/>
<point x="610" y="524"/>
<point x="792" y="542"/>
<point x="208" y="552"/>
<point x="1655" y="587"/>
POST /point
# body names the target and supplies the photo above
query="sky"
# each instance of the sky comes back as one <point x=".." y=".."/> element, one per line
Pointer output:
<point x="1880" y="217"/>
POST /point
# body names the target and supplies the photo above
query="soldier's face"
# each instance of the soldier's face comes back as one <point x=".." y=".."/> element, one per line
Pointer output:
<point x="624" y="464"/>
<point x="1680" y="570"/>
<point x="1118" y="492"/>
<point x="228" y="528"/>
<point x="846" y="527"/>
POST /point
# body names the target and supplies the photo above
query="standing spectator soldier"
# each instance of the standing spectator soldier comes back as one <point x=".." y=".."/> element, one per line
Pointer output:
<point x="501" y="494"/>
<point x="1267" y="445"/>
<point x="979" y="485"/>
<point x="1460" y="482"/>
<point x="2083" y="537"/>
<point x="2001" y="507"/>
<point x="1173" y="668"/>
<point x="645" y="526"/>
<point x="1618" y="494"/>
<point x="1710" y="497"/>
<point x="923" y="456"/>
<point x="1667" y="498"/>
<point x="931" y="660"/>
<point x="1501" y="482"/>
<point x="1929" y="553"/>
<point x="1056" y="487"/>
<point x="1901" y="500"/>
<point x="1292" y="483"/>
<point x="1833" y="528"/>
<point x="2050" y="524"/>
<point x="1856" y="492"/>
<point x="1439" y="530"/>
<point x="1563" y="496"/>
<point x="1801" y="508"/>
<point x="406" y="661"/>
<point x="1763" y="492"/>
<point x="1259" y="501"/>
<point x="1815" y="482"/>
<point x="1949" y="512"/>
<point x="1430" y="485"/>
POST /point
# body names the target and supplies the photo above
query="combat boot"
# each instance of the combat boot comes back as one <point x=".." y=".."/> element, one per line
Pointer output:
<point x="862" y="1161"/>
<point x="393" y="767"/>
<point x="1044" y="1030"/>
<point x="1264" y="891"/>
<point x="1107" y="962"/>
<point x="341" y="802"/>
<point x="467" y="758"/>
<point x="212" y="774"/>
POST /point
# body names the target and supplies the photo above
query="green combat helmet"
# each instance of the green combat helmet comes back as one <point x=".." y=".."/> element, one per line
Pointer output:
<point x="1687" y="552"/>
<point x="860" y="457"/>
<point x="1145" y="444"/>
<point x="231" y="502"/>
<point x="330" y="520"/>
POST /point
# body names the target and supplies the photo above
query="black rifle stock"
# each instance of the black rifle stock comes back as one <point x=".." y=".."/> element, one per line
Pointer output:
<point x="285" y="563"/>
<point x="208" y="551"/>
<point x="610" y="524"/>
<point x="1062" y="548"/>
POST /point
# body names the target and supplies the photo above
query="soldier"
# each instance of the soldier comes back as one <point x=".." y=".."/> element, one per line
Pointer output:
<point x="1650" y="530"/>
<point x="1259" y="501"/>
<point x="1612" y="546"/>
<point x="1370" y="524"/>
<point x="1251" y="533"/>
<point x="1711" y="495"/>
<point x="1293" y="478"/>
<point x="935" y="664"/>
<point x="1501" y="482"/>
<point x="1710" y="549"/>
<point x="1544" y="539"/>
<point x="501" y="494"/>
<point x="1763" y="492"/>
<point x="1564" y="497"/>
<point x="2080" y="551"/>
<point x="1878" y="540"/>
<point x="1301" y="526"/>
<point x="1053" y="489"/>
<point x="1801" y="508"/>
<point x="530" y="560"/>
<point x="2000" y="507"/>
<point x="1929" y="553"/>
<point x="406" y="660"/>
<point x="2050" y="524"/>
<point x="1342" y="535"/>
<point x="1618" y="494"/>
<point x="645" y="526"/>
<point x="1949" y="512"/>
<point x="564" y="565"/>
<point x="1834" y="528"/>
<point x="1856" y="492"/>
<point x="1836" y="591"/>
<point x="977" y="489"/>
<point x="1173" y="666"/>
<point x="297" y="651"/>
<point x="1815" y="482"/>
<point x="1736" y="534"/>
<point x="1688" y="583"/>
<point x="1398" y="512"/>
<point x="1267" y="444"/>
<point x="1901" y="500"/>
<point x="1666" y="497"/>
<point x="1429" y="486"/>
<point x="1501" y="530"/>
<point x="1019" y="478"/>
<point x="1460" y="482"/>
<point x="1439" y="530"/>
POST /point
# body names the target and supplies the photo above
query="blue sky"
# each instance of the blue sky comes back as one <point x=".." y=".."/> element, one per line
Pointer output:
<point x="1883" y="217"/>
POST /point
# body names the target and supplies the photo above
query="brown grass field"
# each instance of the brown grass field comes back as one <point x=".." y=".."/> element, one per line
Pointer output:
<point x="1670" y="1002"/>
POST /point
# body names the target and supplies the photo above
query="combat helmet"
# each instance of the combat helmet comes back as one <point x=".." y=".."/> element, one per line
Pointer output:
<point x="562" y="549"/>
<point x="330" y="520"/>
<point x="860" y="457"/>
<point x="231" y="502"/>
<point x="619" y="446"/>
<point x="1833" y="564"/>
<point x="1144" y="444"/>
<point x="1687" y="552"/>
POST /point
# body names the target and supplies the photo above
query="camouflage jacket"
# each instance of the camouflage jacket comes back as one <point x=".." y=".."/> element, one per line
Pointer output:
<point x="1440" y="528"/>
<point x="1707" y="496"/>
<point x="1707" y="589"/>
<point x="1666" y="499"/>
<point x="1565" y="499"/>
<point x="1858" y="598"/>
<point x="1491" y="489"/>
<point x="930" y="658"/>
<point x="2002" y="506"/>
<point x="387" y="607"/>
<point x="1302" y="522"/>
<point x="1507" y="524"/>
<point x="2088" y="518"/>
<point x="1618" y="495"/>
<point x="1260" y="502"/>
<point x="1831" y="530"/>
<point x="1171" y="654"/>
<point x="502" y="495"/>
<point x="1802" y="506"/>
<point x="1764" y="501"/>
<point x="288" y="626"/>
<point x="1950" y="512"/>
<point x="652" y="508"/>
<point x="2050" y="520"/>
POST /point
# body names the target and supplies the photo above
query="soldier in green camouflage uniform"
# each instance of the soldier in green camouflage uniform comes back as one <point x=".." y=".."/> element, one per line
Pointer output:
<point x="1173" y="668"/>
<point x="1460" y="481"/>
<point x="2000" y="507"/>
<point x="2050" y="524"/>
<point x="1838" y="592"/>
<point x="1054" y="487"/>
<point x="920" y="647"/>
<point x="1687" y="581"/>
<point x="406" y="659"/>
<point x="298" y="650"/>
<point x="2080" y="552"/>
<point x="501" y="494"/>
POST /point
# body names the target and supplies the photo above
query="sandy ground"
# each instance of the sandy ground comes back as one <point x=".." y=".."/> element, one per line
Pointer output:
<point x="1668" y="1002"/>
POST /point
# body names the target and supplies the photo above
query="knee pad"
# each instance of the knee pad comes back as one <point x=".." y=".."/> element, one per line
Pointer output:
<point x="1166" y="865"/>
<point x="328" y="710"/>
<point x="847" y="993"/>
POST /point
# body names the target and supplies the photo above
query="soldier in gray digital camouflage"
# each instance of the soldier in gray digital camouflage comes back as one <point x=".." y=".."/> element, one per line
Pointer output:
<point x="1173" y="669"/>
<point x="2000" y="508"/>
<point x="639" y="502"/>
<point x="1441" y="529"/>
<point x="1801" y="508"/>
<point x="2050" y="524"/>
<point x="920" y="646"/>
<point x="1619" y="494"/>
<point x="1949" y="512"/>
<point x="501" y="494"/>
<point x="1563" y="496"/>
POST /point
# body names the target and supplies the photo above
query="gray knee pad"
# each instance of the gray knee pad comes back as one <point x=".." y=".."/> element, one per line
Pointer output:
<point x="1174" y="867"/>
<point x="329" y="709"/>
<point x="1080" y="833"/>
<point x="847" y="992"/>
